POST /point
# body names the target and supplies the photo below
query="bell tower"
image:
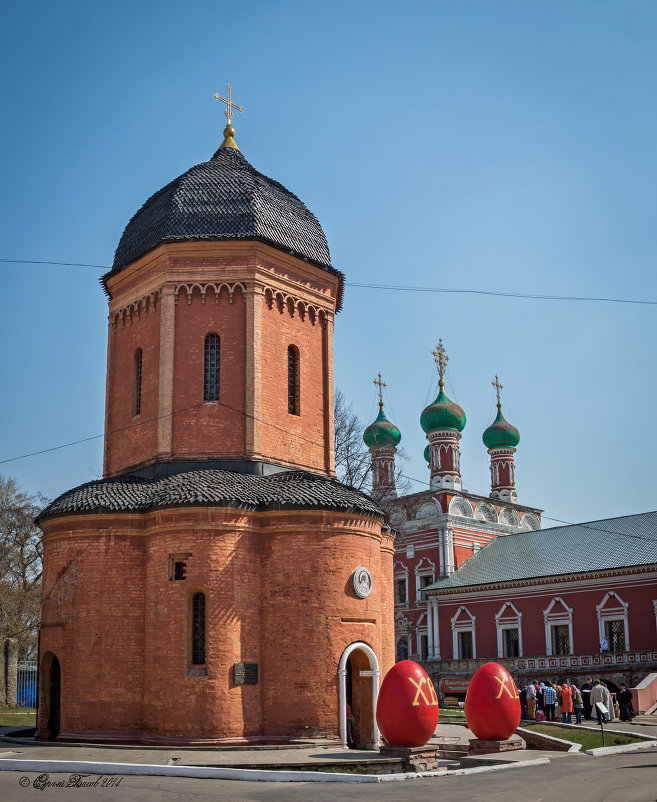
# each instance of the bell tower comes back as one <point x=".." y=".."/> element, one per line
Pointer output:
<point x="501" y="439"/>
<point x="382" y="439"/>
<point x="443" y="421"/>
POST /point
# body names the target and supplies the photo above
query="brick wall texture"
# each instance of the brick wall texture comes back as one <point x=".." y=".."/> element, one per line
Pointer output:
<point x="279" y="593"/>
<point x="259" y="302"/>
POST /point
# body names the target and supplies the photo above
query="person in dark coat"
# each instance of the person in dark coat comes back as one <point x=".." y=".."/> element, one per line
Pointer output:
<point x="585" y="690"/>
<point x="624" y="699"/>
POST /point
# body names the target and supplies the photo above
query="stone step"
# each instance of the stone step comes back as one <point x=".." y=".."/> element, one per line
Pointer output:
<point x="451" y="747"/>
<point x="452" y="755"/>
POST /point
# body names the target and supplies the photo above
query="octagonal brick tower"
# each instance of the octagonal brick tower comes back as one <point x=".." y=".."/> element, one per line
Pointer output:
<point x="221" y="304"/>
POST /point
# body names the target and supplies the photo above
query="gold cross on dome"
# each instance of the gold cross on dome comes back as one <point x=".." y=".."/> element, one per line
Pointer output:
<point x="441" y="359"/>
<point x="381" y="384"/>
<point x="229" y="104"/>
<point x="496" y="384"/>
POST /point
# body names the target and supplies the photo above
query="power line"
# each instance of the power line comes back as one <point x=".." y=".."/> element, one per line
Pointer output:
<point x="533" y="296"/>
<point x="401" y="287"/>
<point x="298" y="436"/>
<point x="61" y="264"/>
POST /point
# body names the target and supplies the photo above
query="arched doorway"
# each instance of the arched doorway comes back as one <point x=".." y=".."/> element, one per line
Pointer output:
<point x="359" y="662"/>
<point x="51" y="676"/>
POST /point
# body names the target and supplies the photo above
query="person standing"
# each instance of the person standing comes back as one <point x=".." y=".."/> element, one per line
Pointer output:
<point x="598" y="695"/>
<point x="566" y="704"/>
<point x="578" y="703"/>
<point x="540" y="702"/>
<point x="531" y="701"/>
<point x="549" y="700"/>
<point x="523" y="703"/>
<point x="586" y="689"/>
<point x="624" y="697"/>
<point x="350" y="728"/>
<point x="609" y="702"/>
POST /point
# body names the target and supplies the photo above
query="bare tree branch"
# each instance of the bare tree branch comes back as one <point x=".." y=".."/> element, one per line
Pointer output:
<point x="20" y="566"/>
<point x="353" y="461"/>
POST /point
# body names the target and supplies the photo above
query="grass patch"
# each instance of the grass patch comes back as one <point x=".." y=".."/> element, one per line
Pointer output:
<point x="590" y="739"/>
<point x="20" y="716"/>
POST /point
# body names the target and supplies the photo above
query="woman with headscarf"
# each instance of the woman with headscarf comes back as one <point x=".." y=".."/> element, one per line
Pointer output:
<point x="578" y="703"/>
<point x="566" y="704"/>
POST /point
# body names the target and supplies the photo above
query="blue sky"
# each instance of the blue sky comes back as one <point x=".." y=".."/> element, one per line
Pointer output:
<point x="505" y="147"/>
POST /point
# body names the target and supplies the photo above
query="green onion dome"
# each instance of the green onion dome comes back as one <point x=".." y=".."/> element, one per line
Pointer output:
<point x="381" y="433"/>
<point x="501" y="434"/>
<point x="426" y="454"/>
<point x="442" y="414"/>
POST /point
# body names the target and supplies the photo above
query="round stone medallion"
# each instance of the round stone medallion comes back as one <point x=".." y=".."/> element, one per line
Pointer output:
<point x="362" y="582"/>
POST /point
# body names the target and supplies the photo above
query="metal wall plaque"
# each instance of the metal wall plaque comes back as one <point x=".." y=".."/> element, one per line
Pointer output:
<point x="245" y="673"/>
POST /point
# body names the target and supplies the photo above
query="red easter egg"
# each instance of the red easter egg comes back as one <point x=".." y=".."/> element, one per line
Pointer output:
<point x="407" y="709"/>
<point x="492" y="704"/>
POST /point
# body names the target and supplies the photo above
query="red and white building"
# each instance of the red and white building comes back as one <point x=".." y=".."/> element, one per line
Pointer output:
<point x="476" y="578"/>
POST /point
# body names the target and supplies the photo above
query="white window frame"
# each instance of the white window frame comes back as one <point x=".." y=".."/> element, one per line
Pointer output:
<point x="400" y="571"/>
<point x="555" y="619"/>
<point x="420" y="629"/>
<point x="424" y="568"/>
<point x="508" y="620"/>
<point x="463" y="626"/>
<point x="618" y="613"/>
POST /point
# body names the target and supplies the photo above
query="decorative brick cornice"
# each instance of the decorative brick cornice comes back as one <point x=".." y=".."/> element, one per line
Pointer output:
<point x="283" y="302"/>
<point x="189" y="288"/>
<point x="135" y="309"/>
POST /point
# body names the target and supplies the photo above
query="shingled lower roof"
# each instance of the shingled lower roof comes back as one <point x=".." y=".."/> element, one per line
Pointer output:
<point x="594" y="546"/>
<point x="214" y="487"/>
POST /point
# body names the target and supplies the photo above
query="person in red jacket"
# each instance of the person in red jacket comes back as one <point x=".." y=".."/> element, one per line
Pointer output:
<point x="566" y="704"/>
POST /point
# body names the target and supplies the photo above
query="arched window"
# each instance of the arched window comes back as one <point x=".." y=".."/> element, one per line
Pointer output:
<point x="211" y="368"/>
<point x="198" y="629"/>
<point x="136" y="383"/>
<point x="293" y="389"/>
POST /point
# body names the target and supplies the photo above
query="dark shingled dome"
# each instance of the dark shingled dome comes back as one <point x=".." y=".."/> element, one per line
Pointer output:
<point x="284" y="490"/>
<point x="223" y="199"/>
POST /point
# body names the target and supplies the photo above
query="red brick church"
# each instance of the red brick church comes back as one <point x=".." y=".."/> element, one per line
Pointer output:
<point x="476" y="578"/>
<point x="218" y="583"/>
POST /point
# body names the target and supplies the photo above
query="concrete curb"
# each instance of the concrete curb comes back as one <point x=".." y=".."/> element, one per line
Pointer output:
<point x="253" y="775"/>
<point x="615" y="750"/>
<point x="593" y="728"/>
<point x="540" y="736"/>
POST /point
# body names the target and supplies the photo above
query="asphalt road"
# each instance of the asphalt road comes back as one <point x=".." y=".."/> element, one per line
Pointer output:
<point x="622" y="778"/>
